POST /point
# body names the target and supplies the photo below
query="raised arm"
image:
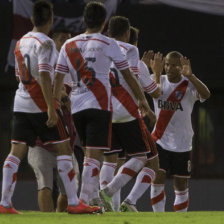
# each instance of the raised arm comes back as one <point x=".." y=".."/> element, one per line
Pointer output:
<point x="201" y="88"/>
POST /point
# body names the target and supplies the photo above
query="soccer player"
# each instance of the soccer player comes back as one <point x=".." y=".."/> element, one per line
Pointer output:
<point x="43" y="158"/>
<point x="36" y="112"/>
<point x="147" y="174"/>
<point x="173" y="130"/>
<point x="129" y="132"/>
<point x="87" y="58"/>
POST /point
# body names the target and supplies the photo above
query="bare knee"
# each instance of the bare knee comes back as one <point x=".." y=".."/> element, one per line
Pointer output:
<point x="180" y="184"/>
<point x="160" y="177"/>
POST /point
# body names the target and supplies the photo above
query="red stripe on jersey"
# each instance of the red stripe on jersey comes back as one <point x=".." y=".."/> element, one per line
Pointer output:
<point x="123" y="47"/>
<point x="33" y="38"/>
<point x="94" y="39"/>
<point x="32" y="87"/>
<point x="98" y="89"/>
<point x="166" y="115"/>
<point x="124" y="98"/>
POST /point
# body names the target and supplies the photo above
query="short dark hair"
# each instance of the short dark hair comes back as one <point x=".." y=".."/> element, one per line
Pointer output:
<point x="133" y="35"/>
<point x="118" y="25"/>
<point x="42" y="12"/>
<point x="174" y="54"/>
<point x="94" y="14"/>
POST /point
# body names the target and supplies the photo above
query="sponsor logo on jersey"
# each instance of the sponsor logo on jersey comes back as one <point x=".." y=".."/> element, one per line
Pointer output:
<point x="169" y="105"/>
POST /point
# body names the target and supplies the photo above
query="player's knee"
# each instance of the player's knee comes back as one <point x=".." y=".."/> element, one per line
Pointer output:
<point x="160" y="177"/>
<point x="180" y="184"/>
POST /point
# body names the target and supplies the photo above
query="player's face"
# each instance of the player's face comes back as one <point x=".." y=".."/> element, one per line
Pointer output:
<point x="172" y="67"/>
<point x="60" y="40"/>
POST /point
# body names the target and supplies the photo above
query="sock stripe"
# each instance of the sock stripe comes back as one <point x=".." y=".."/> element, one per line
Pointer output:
<point x="93" y="161"/>
<point x="128" y="171"/>
<point x="113" y="165"/>
<point x="13" y="160"/>
<point x="58" y="160"/>
<point x="158" y="198"/>
<point x="150" y="172"/>
<point x="181" y="206"/>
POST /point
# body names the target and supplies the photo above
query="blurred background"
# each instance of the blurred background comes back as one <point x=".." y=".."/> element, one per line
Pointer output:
<point x="195" y="28"/>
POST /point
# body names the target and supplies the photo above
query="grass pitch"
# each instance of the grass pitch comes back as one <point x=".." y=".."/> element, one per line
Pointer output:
<point x="29" y="217"/>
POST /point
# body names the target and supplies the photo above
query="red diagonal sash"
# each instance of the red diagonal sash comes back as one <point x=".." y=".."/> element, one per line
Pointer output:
<point x="166" y="115"/>
<point x="98" y="89"/>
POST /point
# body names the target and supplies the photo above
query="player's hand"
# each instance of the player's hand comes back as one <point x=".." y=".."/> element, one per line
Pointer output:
<point x="66" y="102"/>
<point x="144" y="107"/>
<point x="52" y="117"/>
<point x="186" y="67"/>
<point x="147" y="57"/>
<point x="157" y="64"/>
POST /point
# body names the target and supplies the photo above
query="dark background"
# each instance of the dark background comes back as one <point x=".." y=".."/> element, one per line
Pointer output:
<point x="198" y="36"/>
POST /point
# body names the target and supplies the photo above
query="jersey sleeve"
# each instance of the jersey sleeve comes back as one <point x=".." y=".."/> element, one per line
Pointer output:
<point x="46" y="56"/>
<point x="116" y="55"/>
<point x="133" y="58"/>
<point x="196" y="96"/>
<point x="62" y="66"/>
<point x="146" y="80"/>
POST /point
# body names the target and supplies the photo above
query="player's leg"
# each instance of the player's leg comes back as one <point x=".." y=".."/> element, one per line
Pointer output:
<point x="181" y="171"/>
<point x="132" y="141"/>
<point x="59" y="139"/>
<point x="96" y="138"/>
<point x="43" y="162"/>
<point x="144" y="178"/>
<point x="158" y="196"/>
<point x="21" y="136"/>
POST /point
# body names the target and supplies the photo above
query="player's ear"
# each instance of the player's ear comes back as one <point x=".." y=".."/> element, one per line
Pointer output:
<point x="32" y="20"/>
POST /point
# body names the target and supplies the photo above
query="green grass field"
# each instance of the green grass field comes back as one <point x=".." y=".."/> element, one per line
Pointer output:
<point x="115" y="218"/>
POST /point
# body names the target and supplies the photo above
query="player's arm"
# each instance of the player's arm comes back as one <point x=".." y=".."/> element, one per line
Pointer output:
<point x="45" y="83"/>
<point x="155" y="61"/>
<point x="201" y="88"/>
<point x="58" y="86"/>
<point x="137" y="90"/>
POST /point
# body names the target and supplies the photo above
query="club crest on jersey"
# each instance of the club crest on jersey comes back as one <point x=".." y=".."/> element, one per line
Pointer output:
<point x="178" y="94"/>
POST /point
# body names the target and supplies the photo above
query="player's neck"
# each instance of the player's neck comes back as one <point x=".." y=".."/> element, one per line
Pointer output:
<point x="174" y="79"/>
<point x="41" y="29"/>
<point x="94" y="30"/>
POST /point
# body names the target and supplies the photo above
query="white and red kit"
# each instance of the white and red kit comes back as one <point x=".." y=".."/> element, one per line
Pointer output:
<point x="173" y="130"/>
<point x="125" y="105"/>
<point x="87" y="58"/>
<point x="35" y="52"/>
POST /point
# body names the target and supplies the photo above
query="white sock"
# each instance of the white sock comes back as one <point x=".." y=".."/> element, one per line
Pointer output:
<point x="9" y="179"/>
<point x="158" y="197"/>
<point x="142" y="183"/>
<point x="107" y="173"/>
<point x="90" y="179"/>
<point x="67" y="174"/>
<point x="116" y="200"/>
<point x="125" y="173"/>
<point x="181" y="201"/>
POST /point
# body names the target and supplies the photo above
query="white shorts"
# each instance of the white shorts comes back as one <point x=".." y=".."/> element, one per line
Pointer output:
<point x="44" y="164"/>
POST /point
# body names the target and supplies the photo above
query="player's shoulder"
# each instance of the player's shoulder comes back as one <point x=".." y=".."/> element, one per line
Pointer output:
<point x="126" y="46"/>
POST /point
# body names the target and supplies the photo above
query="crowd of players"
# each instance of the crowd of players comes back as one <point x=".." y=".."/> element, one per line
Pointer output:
<point x="98" y="82"/>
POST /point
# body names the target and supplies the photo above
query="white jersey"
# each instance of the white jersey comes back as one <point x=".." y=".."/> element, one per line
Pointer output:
<point x="87" y="59"/>
<point x="148" y="84"/>
<point x="173" y="130"/>
<point x="35" y="52"/>
<point x="125" y="105"/>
